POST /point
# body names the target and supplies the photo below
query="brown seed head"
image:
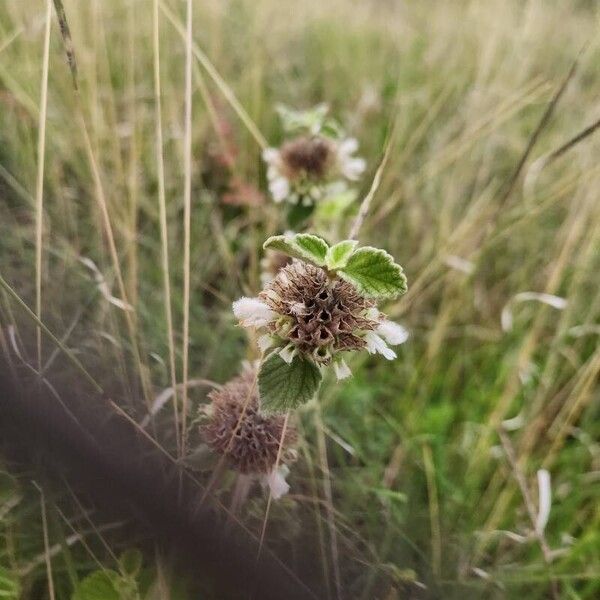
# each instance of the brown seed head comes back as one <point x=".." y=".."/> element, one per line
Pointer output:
<point x="321" y="316"/>
<point x="309" y="157"/>
<point x="238" y="431"/>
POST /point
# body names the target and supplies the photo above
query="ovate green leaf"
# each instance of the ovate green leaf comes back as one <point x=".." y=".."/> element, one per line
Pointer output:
<point x="284" y="386"/>
<point x="304" y="246"/>
<point x="100" y="585"/>
<point x="374" y="273"/>
<point x="338" y="255"/>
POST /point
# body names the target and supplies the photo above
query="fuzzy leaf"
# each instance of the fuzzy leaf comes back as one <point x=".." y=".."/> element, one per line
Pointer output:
<point x="284" y="386"/>
<point x="374" y="273"/>
<point x="304" y="246"/>
<point x="99" y="585"/>
<point x="338" y="255"/>
<point x="130" y="562"/>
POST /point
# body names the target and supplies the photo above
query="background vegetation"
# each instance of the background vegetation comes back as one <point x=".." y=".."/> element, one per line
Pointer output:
<point x="402" y="467"/>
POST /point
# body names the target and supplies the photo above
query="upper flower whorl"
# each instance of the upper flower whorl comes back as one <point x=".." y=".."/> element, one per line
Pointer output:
<point x="320" y="316"/>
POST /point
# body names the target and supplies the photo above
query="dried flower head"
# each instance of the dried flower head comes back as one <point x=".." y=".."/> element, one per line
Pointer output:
<point x="305" y="312"/>
<point x="239" y="432"/>
<point x="320" y="316"/>
<point x="309" y="157"/>
<point x="304" y="168"/>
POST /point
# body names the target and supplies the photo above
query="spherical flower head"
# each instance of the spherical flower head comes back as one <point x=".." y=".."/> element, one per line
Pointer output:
<point x="303" y="168"/>
<point x="237" y="430"/>
<point x="317" y="316"/>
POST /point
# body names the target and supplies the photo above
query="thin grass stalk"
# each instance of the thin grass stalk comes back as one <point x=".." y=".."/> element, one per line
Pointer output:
<point x="47" y="558"/>
<point x="39" y="194"/>
<point x="101" y="198"/>
<point x="224" y="88"/>
<point x="162" y="205"/>
<point x="187" y="218"/>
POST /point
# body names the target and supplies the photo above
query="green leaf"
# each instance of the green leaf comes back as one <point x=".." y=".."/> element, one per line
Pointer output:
<point x="304" y="246"/>
<point x="374" y="273"/>
<point x="338" y="255"/>
<point x="297" y="214"/>
<point x="100" y="585"/>
<point x="284" y="386"/>
<point x="130" y="562"/>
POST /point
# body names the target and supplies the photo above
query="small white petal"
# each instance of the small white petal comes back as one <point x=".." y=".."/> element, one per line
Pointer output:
<point x="276" y="481"/>
<point x="288" y="353"/>
<point x="376" y="345"/>
<point x="279" y="188"/>
<point x="252" y="312"/>
<point x="342" y="371"/>
<point x="392" y="333"/>
<point x="270" y="155"/>
<point x="353" y="168"/>
<point x="348" y="146"/>
<point x="265" y="342"/>
<point x="372" y="313"/>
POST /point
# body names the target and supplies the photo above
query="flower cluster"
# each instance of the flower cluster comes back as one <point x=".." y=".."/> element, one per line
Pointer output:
<point x="303" y="311"/>
<point x="247" y="439"/>
<point x="307" y="167"/>
<point x="318" y="305"/>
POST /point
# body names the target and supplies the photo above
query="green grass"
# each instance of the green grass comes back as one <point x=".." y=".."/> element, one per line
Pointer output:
<point x="420" y="484"/>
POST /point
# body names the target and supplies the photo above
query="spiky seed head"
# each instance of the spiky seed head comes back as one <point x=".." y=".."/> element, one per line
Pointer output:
<point x="237" y="430"/>
<point x="310" y="157"/>
<point x="319" y="315"/>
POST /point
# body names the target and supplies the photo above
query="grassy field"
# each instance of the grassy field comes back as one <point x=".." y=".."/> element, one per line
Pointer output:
<point x="420" y="476"/>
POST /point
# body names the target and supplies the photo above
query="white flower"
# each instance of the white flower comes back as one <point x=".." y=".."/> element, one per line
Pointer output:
<point x="291" y="180"/>
<point x="393" y="333"/>
<point x="276" y="481"/>
<point x="376" y="345"/>
<point x="252" y="312"/>
<point x="279" y="188"/>
<point x="342" y="371"/>
<point x="350" y="167"/>
<point x="270" y="156"/>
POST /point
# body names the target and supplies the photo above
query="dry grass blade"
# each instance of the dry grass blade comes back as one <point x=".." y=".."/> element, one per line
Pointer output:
<point x="277" y="461"/>
<point x="162" y="204"/>
<point x="542" y="162"/>
<point x="434" y="511"/>
<point x="47" y="557"/>
<point x="39" y="194"/>
<point x="328" y="493"/>
<point x="67" y="40"/>
<point x="102" y="202"/>
<point x="510" y="184"/>
<point x="187" y="219"/>
<point x="522" y="482"/>
<point x="74" y="360"/>
<point x="219" y="81"/>
<point x="366" y="203"/>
